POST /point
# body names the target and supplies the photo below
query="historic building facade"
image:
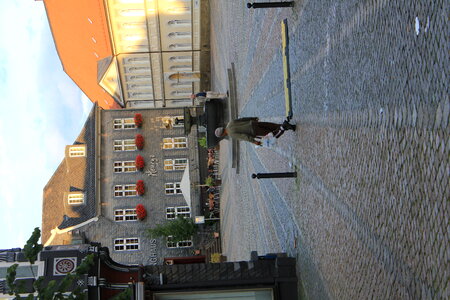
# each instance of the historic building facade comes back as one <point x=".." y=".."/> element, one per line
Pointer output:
<point x="105" y="197"/>
<point x="142" y="53"/>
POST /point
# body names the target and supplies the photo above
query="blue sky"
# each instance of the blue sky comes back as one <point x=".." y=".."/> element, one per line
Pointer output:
<point x="42" y="110"/>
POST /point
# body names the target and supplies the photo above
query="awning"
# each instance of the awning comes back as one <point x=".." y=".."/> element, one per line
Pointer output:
<point x="185" y="186"/>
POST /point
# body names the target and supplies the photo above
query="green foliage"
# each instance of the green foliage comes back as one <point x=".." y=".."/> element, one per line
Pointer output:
<point x="86" y="265"/>
<point x="202" y="142"/>
<point x="52" y="290"/>
<point x="10" y="277"/>
<point x="209" y="181"/>
<point x="32" y="247"/>
<point x="125" y="295"/>
<point x="180" y="229"/>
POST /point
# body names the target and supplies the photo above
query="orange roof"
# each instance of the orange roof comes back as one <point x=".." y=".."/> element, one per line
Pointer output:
<point x="80" y="32"/>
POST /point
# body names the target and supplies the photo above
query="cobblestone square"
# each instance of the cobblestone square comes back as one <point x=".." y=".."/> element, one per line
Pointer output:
<point x="368" y="215"/>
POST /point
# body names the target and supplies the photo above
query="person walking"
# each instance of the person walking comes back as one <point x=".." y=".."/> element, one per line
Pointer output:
<point x="251" y="130"/>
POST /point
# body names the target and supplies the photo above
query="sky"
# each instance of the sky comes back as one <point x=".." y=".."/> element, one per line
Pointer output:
<point x="41" y="112"/>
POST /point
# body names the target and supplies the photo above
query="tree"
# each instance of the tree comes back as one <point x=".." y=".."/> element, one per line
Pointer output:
<point x="54" y="289"/>
<point x="32" y="247"/>
<point x="180" y="229"/>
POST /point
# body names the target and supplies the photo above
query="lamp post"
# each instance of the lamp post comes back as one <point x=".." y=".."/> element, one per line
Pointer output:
<point x="270" y="4"/>
<point x="274" y="175"/>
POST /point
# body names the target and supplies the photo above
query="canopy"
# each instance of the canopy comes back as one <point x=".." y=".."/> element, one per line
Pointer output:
<point x="185" y="186"/>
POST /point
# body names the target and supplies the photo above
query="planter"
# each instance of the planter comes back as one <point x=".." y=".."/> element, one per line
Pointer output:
<point x="139" y="162"/>
<point x="139" y="141"/>
<point x="140" y="187"/>
<point x="138" y="120"/>
<point x="141" y="212"/>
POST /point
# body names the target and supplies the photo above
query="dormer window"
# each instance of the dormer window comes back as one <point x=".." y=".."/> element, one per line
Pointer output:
<point x="77" y="151"/>
<point x="75" y="199"/>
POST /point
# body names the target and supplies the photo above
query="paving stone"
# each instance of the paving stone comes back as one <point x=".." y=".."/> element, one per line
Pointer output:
<point x="368" y="214"/>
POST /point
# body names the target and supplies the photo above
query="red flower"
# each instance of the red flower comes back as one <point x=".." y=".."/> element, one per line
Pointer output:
<point x="141" y="212"/>
<point x="140" y="187"/>
<point x="140" y="163"/>
<point x="138" y="120"/>
<point x="139" y="141"/>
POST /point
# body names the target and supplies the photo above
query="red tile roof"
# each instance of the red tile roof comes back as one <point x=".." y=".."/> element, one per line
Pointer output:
<point x="80" y="32"/>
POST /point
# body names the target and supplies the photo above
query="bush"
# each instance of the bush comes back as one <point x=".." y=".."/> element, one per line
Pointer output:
<point x="141" y="212"/>
<point x="202" y="142"/>
<point x="209" y="181"/>
<point x="140" y="187"/>
<point x="138" y="120"/>
<point x="139" y="141"/>
<point x="180" y="229"/>
<point x="140" y="163"/>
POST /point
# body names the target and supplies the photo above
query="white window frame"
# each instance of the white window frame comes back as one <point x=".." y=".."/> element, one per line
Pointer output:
<point x="169" y="122"/>
<point x="124" y="123"/>
<point x="125" y="190"/>
<point x="175" y="143"/>
<point x="77" y="151"/>
<point x="75" y="198"/>
<point x="180" y="244"/>
<point x="175" y="164"/>
<point x="127" y="166"/>
<point x="172" y="188"/>
<point x="125" y="215"/>
<point x="125" y="145"/>
<point x="127" y="244"/>
<point x="174" y="211"/>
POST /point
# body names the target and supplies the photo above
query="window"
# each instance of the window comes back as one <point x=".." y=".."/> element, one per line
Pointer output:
<point x="172" y="121"/>
<point x="124" y="166"/>
<point x="182" y="34"/>
<point x="173" y="188"/>
<point x="77" y="151"/>
<point x="121" y="215"/>
<point x="180" y="244"/>
<point x="174" y="143"/>
<point x="176" y="164"/>
<point x="126" y="244"/>
<point x="174" y="212"/>
<point x="132" y="12"/>
<point x="75" y="199"/>
<point x="124" y="145"/>
<point x="127" y="190"/>
<point x="127" y="123"/>
<point x="179" y="22"/>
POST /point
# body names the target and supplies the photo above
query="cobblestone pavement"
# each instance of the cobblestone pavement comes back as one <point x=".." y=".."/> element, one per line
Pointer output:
<point x="368" y="214"/>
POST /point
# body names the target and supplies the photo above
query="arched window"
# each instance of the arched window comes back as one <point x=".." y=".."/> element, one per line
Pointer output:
<point x="179" y="46"/>
<point x="179" y="22"/>
<point x="132" y="12"/>
<point x="181" y="58"/>
<point x="139" y="77"/>
<point x="133" y="25"/>
<point x="181" y="68"/>
<point x="139" y="69"/>
<point x="180" y="35"/>
<point x="181" y="84"/>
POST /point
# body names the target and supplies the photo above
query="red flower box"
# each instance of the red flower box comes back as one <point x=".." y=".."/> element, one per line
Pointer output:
<point x="140" y="163"/>
<point x="140" y="211"/>
<point x="138" y="120"/>
<point x="140" y="187"/>
<point x="139" y="141"/>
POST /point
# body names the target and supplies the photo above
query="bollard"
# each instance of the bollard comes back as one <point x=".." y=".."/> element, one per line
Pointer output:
<point x="274" y="175"/>
<point x="270" y="4"/>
